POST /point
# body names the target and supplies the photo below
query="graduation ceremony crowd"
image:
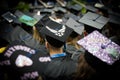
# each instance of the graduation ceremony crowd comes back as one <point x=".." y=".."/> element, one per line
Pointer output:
<point x="59" y="39"/>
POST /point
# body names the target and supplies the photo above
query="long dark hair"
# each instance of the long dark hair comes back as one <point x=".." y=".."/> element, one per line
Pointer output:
<point x="84" y="70"/>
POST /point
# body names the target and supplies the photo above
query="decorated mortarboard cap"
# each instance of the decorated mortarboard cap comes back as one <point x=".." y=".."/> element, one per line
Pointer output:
<point x="101" y="47"/>
<point x="26" y="19"/>
<point x="77" y="27"/>
<point x="56" y="31"/>
<point x="94" y="20"/>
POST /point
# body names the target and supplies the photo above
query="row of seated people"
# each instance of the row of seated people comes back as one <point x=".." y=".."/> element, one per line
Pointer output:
<point x="57" y="52"/>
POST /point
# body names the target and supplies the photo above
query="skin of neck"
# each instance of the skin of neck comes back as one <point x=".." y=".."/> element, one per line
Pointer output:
<point x="53" y="50"/>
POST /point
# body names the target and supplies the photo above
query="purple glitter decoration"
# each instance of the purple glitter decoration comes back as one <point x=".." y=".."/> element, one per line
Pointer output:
<point x="101" y="47"/>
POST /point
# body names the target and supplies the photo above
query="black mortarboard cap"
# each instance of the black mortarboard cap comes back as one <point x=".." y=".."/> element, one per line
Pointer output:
<point x="62" y="3"/>
<point x="94" y="20"/>
<point x="101" y="47"/>
<point x="75" y="7"/>
<point x="57" y="31"/>
<point x="38" y="17"/>
<point x="60" y="9"/>
<point x="91" y="8"/>
<point x="19" y="34"/>
<point x="70" y="15"/>
<point x="10" y="17"/>
<point x="77" y="27"/>
<point x="46" y="11"/>
<point x="114" y="17"/>
<point x="45" y="20"/>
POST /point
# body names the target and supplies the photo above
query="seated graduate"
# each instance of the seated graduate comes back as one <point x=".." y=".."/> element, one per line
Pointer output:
<point x="19" y="28"/>
<point x="72" y="46"/>
<point x="18" y="57"/>
<point x="114" y="33"/>
<point x="61" y="67"/>
<point x="21" y="62"/>
<point x="101" y="58"/>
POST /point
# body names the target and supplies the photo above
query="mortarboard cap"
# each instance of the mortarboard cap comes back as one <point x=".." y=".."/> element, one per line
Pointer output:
<point x="75" y="17"/>
<point x="57" y="31"/>
<point x="94" y="20"/>
<point x="28" y="20"/>
<point x="10" y="17"/>
<point x="70" y="15"/>
<point x="75" y="7"/>
<point x="19" y="34"/>
<point x="47" y="5"/>
<point x="91" y="8"/>
<point x="46" y="11"/>
<point x="114" y="17"/>
<point x="77" y="27"/>
<point x="60" y="9"/>
<point x="37" y="16"/>
<point x="45" y="19"/>
<point x="62" y="3"/>
<point x="101" y="47"/>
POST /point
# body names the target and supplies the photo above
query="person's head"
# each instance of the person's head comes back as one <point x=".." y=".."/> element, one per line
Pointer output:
<point x="55" y="34"/>
<point x="101" y="53"/>
<point x="72" y="36"/>
<point x="90" y="67"/>
<point x="77" y="33"/>
<point x="54" y="42"/>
